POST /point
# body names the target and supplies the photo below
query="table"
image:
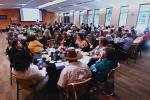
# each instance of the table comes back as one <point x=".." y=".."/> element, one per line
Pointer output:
<point x="59" y="63"/>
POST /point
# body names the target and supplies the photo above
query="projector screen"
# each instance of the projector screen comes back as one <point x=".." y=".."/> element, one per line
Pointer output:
<point x="30" y="14"/>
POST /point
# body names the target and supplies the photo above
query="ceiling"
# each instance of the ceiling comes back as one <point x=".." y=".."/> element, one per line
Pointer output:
<point x="68" y="5"/>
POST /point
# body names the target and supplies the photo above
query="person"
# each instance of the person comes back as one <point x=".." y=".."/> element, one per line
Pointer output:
<point x="65" y="40"/>
<point x="96" y="52"/>
<point x="24" y="69"/>
<point x="118" y="39"/>
<point x="82" y="42"/>
<point x="133" y="32"/>
<point x="82" y="26"/>
<point x="75" y="71"/>
<point x="127" y="41"/>
<point x="46" y="36"/>
<point x="13" y="47"/>
<point x="102" y="68"/>
<point x="105" y="64"/>
<point x="35" y="47"/>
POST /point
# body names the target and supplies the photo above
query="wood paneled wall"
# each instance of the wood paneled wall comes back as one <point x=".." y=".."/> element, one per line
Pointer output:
<point x="48" y="17"/>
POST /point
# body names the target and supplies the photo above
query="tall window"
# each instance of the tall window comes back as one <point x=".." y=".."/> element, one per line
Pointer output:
<point x="96" y="17"/>
<point x="66" y="18"/>
<point x="81" y="17"/>
<point x="108" y="16"/>
<point x="123" y="16"/>
<point x="143" y="18"/>
<point x="90" y="17"/>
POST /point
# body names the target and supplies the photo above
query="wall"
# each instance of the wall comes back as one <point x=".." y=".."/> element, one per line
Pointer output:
<point x="48" y="17"/>
<point x="85" y="19"/>
<point x="10" y="13"/>
<point x="77" y="19"/>
<point x="115" y="15"/>
<point x="131" y="19"/>
<point x="102" y="16"/>
<point x="132" y="15"/>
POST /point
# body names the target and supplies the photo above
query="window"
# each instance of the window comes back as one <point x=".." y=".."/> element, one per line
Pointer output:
<point x="108" y="16"/>
<point x="90" y="17"/>
<point x="3" y="17"/>
<point x="66" y="18"/>
<point x="81" y="17"/>
<point x="123" y="16"/>
<point x="96" y="17"/>
<point x="143" y="18"/>
<point x="74" y="18"/>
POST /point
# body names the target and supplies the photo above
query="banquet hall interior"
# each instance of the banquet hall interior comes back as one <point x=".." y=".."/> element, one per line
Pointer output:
<point x="75" y="49"/>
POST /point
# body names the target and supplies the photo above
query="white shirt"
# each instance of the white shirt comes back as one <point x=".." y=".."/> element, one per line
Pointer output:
<point x="118" y="40"/>
<point x="32" y="73"/>
<point x="74" y="72"/>
<point x="98" y="50"/>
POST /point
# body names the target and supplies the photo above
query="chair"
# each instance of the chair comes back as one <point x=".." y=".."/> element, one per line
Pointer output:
<point x="26" y="84"/>
<point x="11" y="73"/>
<point x="108" y="85"/>
<point x="139" y="48"/>
<point x="77" y="89"/>
<point x="133" y="52"/>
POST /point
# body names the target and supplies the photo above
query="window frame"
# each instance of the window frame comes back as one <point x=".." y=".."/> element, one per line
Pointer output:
<point x="106" y="16"/>
<point x="88" y="16"/>
<point x="98" y="16"/>
<point x="142" y="11"/>
<point x="121" y="13"/>
<point x="81" y="14"/>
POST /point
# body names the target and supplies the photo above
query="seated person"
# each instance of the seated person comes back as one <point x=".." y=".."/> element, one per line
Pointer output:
<point x="23" y="68"/>
<point x="65" y="39"/>
<point x="118" y="39"/>
<point x="35" y="46"/>
<point x="128" y="40"/>
<point x="96" y="52"/>
<point x="14" y="47"/>
<point x="105" y="64"/>
<point x="75" y="71"/>
<point x="46" y="36"/>
<point x="82" y="42"/>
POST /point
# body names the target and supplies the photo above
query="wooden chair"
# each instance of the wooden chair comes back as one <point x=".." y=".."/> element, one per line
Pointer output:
<point x="133" y="52"/>
<point x="109" y="84"/>
<point x="77" y="89"/>
<point x="11" y="73"/>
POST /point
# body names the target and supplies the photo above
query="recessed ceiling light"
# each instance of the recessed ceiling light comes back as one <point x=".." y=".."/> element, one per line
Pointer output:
<point x="21" y="4"/>
<point x="74" y="5"/>
<point x="50" y="3"/>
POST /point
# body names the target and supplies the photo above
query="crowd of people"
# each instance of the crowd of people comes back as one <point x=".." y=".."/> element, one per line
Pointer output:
<point x="26" y="43"/>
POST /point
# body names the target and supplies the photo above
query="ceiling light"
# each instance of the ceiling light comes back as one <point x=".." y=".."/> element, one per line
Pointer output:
<point x="51" y="3"/>
<point x="21" y="4"/>
<point x="74" y="5"/>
